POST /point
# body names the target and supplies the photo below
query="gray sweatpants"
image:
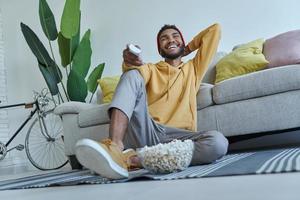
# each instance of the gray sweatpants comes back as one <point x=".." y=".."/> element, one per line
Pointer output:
<point x="131" y="98"/>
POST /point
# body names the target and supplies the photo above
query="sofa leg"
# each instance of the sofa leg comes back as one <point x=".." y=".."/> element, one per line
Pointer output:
<point x="74" y="162"/>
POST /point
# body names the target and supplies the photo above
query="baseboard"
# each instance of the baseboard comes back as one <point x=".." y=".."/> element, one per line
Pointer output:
<point x="16" y="169"/>
<point x="12" y="165"/>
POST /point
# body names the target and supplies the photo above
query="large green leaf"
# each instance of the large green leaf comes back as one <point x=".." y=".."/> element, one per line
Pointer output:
<point x="76" y="86"/>
<point x="82" y="56"/>
<point x="56" y="73"/>
<point x="64" y="47"/>
<point x="70" y="18"/>
<point x="47" y="20"/>
<point x="50" y="80"/>
<point x="54" y="70"/>
<point x="75" y="39"/>
<point x="36" y="46"/>
<point x="94" y="76"/>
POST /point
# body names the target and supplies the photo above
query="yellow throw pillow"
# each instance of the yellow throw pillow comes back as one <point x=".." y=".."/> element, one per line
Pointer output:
<point x="245" y="59"/>
<point x="108" y="86"/>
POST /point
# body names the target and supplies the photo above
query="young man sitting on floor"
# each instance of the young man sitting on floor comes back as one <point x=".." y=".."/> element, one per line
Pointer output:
<point x="156" y="103"/>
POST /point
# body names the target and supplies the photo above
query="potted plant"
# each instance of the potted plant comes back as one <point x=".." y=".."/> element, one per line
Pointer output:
<point x="75" y="53"/>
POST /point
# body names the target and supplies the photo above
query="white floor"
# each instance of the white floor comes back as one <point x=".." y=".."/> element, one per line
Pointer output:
<point x="253" y="187"/>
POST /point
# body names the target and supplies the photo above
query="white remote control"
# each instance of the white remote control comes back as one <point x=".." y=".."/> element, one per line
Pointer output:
<point x="135" y="50"/>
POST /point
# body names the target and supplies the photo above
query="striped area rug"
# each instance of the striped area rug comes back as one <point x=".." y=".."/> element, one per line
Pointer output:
<point x="260" y="162"/>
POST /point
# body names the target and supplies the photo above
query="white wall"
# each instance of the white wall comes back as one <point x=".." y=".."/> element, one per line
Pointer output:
<point x="117" y="22"/>
<point x="4" y="130"/>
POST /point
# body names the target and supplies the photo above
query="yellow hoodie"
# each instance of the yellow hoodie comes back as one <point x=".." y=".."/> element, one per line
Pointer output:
<point x="171" y="91"/>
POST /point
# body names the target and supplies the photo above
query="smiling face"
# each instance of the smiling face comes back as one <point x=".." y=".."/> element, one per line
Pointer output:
<point x="171" y="44"/>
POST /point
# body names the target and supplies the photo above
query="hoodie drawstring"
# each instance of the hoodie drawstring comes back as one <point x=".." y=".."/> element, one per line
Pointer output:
<point x="183" y="85"/>
<point x="168" y="83"/>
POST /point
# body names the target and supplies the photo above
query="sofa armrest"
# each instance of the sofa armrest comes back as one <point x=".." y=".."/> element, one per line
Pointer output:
<point x="94" y="116"/>
<point x="204" y="96"/>
<point x="73" y="107"/>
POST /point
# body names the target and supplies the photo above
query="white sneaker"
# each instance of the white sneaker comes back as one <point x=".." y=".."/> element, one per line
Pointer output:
<point x="105" y="158"/>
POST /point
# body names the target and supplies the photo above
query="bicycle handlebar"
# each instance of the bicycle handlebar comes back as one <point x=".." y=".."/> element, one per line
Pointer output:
<point x="40" y="99"/>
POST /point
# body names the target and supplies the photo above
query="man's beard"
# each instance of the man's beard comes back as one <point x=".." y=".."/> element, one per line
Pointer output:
<point x="172" y="56"/>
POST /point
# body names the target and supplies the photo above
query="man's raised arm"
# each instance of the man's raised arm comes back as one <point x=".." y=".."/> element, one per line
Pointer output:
<point x="207" y="43"/>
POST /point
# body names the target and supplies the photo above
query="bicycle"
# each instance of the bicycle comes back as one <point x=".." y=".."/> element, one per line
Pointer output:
<point x="44" y="143"/>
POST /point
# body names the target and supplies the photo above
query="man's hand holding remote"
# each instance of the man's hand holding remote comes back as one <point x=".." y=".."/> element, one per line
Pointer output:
<point x="131" y="56"/>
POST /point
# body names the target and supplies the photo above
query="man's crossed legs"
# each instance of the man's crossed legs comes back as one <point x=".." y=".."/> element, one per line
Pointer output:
<point x="131" y="126"/>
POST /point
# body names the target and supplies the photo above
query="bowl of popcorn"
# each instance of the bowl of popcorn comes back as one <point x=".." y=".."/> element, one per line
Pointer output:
<point x="167" y="158"/>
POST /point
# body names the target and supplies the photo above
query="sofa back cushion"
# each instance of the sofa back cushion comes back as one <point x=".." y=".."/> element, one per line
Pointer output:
<point x="108" y="86"/>
<point x="283" y="49"/>
<point x="245" y="59"/>
<point x="257" y="84"/>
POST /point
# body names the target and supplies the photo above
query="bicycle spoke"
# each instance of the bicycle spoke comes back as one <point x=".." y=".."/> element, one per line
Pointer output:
<point x="61" y="148"/>
<point x="55" y="154"/>
<point x="54" y="131"/>
<point x="38" y="150"/>
<point x="47" y="159"/>
<point x="37" y="132"/>
<point x="38" y="135"/>
<point x="58" y="133"/>
<point x="58" y="155"/>
<point x="54" y="158"/>
<point x="46" y="152"/>
<point x="39" y="155"/>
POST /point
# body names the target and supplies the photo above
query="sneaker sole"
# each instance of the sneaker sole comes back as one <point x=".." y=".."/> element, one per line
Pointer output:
<point x="94" y="157"/>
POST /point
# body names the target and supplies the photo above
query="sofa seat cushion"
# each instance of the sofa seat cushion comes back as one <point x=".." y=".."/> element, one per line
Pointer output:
<point x="204" y="96"/>
<point x="257" y="84"/>
<point x="94" y="116"/>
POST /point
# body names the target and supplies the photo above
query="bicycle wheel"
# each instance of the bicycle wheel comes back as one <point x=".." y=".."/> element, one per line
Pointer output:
<point x="46" y="151"/>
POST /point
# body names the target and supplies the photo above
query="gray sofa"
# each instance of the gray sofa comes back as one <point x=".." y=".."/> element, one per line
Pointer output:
<point x="262" y="102"/>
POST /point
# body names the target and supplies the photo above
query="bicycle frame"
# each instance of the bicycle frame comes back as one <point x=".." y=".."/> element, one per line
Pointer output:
<point x="27" y="105"/>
